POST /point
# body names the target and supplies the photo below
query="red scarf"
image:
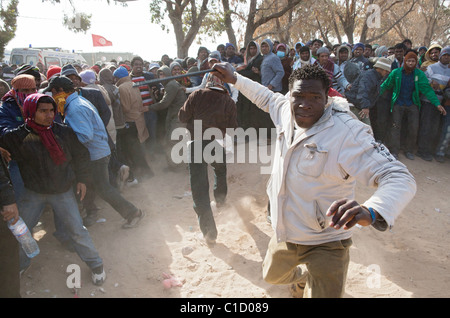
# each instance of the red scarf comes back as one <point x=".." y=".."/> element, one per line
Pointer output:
<point x="45" y="133"/>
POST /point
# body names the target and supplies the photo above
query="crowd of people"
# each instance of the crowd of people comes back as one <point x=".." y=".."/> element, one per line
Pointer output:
<point x="99" y="127"/>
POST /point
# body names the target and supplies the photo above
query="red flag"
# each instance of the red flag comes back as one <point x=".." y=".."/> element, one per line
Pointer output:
<point x="98" y="40"/>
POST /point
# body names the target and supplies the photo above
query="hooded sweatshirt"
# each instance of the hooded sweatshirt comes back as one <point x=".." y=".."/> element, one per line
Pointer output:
<point x="427" y="59"/>
<point x="272" y="71"/>
<point x="440" y="74"/>
<point x="107" y="81"/>
<point x="173" y="99"/>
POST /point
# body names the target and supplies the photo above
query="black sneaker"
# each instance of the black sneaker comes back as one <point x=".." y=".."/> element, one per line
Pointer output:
<point x="134" y="221"/>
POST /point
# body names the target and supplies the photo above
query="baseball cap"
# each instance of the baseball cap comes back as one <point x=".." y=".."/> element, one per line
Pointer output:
<point x="58" y="82"/>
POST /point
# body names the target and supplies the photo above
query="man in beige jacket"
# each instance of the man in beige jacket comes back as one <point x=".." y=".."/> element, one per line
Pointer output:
<point x="321" y="151"/>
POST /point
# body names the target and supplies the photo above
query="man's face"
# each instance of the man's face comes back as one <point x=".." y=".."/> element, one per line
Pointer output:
<point x="176" y="70"/>
<point x="367" y="52"/>
<point x="304" y="56"/>
<point x="138" y="67"/>
<point x="316" y="45"/>
<point x="161" y="74"/>
<point x="212" y="62"/>
<point x="27" y="91"/>
<point x="343" y="55"/>
<point x="45" y="114"/>
<point x="252" y="50"/>
<point x="358" y="52"/>
<point x="230" y="51"/>
<point x="308" y="100"/>
<point x="75" y="80"/>
<point x="399" y="53"/>
<point x="391" y="51"/>
<point x="445" y="59"/>
<point x="323" y="58"/>
<point x="411" y="63"/>
<point x="434" y="54"/>
<point x="422" y="51"/>
<point x="265" y="48"/>
<point x="221" y="49"/>
<point x="203" y="54"/>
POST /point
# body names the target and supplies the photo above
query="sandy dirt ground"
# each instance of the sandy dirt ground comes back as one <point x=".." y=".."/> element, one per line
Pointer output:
<point x="409" y="261"/>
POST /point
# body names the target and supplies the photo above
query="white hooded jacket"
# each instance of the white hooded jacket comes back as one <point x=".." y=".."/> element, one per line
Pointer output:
<point x="314" y="167"/>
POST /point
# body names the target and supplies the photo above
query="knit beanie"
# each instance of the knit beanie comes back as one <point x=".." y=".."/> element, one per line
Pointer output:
<point x="323" y="49"/>
<point x="120" y="72"/>
<point x="52" y="71"/>
<point x="23" y="81"/>
<point x="411" y="55"/>
<point x="88" y="77"/>
<point x="228" y="45"/>
<point x="445" y="50"/>
<point x="69" y="70"/>
<point x="357" y="45"/>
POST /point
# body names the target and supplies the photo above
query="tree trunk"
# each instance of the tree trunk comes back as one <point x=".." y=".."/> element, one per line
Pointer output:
<point x="253" y="24"/>
<point x="176" y="10"/>
<point x="228" y="23"/>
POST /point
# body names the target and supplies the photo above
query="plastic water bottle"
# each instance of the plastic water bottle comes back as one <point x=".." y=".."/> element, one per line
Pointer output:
<point x="23" y="235"/>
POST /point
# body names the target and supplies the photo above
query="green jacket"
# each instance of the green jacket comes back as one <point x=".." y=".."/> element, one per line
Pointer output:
<point x="421" y="84"/>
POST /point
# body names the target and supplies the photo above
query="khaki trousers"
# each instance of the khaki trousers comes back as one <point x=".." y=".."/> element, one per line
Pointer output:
<point x="326" y="264"/>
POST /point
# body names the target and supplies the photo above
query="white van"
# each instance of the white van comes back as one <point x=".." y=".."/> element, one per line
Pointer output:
<point x="45" y="56"/>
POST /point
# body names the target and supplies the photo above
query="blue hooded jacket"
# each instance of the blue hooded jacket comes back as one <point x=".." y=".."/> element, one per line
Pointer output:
<point x="272" y="71"/>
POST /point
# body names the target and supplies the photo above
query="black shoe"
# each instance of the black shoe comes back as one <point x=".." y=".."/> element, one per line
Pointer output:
<point x="425" y="156"/>
<point x="409" y="155"/>
<point x="440" y="159"/>
<point x="90" y="219"/>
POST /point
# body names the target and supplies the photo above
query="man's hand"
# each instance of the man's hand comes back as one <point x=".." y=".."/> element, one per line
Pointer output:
<point x="348" y="213"/>
<point x="5" y="154"/>
<point x="225" y="72"/>
<point x="10" y="212"/>
<point x="442" y="110"/>
<point x="81" y="190"/>
<point x="364" y="113"/>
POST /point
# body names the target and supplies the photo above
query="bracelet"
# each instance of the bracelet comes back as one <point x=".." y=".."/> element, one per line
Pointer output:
<point x="372" y="214"/>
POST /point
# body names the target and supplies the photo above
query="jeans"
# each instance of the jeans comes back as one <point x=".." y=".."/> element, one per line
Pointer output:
<point x="65" y="208"/>
<point x="412" y="117"/>
<point x="428" y="128"/>
<point x="445" y="134"/>
<point x="107" y="192"/>
<point x="198" y="176"/>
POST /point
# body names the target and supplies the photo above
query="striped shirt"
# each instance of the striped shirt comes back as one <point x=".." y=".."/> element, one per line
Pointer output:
<point x="144" y="90"/>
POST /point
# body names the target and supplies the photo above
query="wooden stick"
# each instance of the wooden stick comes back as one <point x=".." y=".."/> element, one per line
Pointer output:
<point x="166" y="79"/>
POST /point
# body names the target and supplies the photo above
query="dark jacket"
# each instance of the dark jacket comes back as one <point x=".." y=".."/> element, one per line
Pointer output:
<point x="10" y="115"/>
<point x="6" y="188"/>
<point x="214" y="108"/>
<point x="39" y="173"/>
<point x="365" y="89"/>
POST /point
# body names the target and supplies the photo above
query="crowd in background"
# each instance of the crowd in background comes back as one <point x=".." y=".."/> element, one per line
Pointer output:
<point x="401" y="91"/>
